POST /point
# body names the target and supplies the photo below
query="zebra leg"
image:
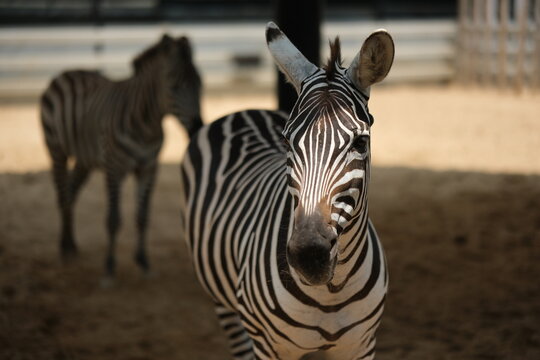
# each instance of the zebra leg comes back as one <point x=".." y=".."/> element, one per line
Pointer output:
<point x="145" y="184"/>
<point x="61" y="181"/>
<point x="114" y="181"/>
<point x="240" y="344"/>
<point x="78" y="178"/>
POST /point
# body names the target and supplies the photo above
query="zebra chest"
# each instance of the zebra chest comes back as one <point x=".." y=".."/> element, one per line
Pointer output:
<point x="305" y="320"/>
<point x="294" y="333"/>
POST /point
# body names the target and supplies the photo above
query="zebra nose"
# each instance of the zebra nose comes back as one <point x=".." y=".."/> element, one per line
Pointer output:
<point x="312" y="259"/>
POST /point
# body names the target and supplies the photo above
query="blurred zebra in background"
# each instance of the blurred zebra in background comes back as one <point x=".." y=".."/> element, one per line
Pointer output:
<point x="117" y="126"/>
<point x="276" y="212"/>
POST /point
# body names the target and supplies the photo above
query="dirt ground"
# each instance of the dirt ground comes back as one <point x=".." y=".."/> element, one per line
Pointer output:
<point x="455" y="197"/>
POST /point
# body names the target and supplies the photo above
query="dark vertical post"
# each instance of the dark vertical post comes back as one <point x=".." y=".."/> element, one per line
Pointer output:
<point x="98" y="23"/>
<point x="96" y="13"/>
<point x="300" y="20"/>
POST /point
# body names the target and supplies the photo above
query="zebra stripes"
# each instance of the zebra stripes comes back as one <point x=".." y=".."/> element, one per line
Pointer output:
<point x="116" y="126"/>
<point x="276" y="215"/>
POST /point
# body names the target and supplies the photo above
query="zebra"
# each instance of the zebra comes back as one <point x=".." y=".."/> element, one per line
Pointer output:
<point x="116" y="126"/>
<point x="275" y="212"/>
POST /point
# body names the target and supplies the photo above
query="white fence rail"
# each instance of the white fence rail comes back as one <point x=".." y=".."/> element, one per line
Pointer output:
<point x="228" y="55"/>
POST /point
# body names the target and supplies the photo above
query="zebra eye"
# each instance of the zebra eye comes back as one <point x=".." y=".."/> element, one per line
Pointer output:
<point x="360" y="143"/>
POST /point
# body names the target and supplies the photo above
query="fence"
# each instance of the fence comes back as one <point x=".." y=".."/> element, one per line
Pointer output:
<point x="499" y="43"/>
<point x="228" y="55"/>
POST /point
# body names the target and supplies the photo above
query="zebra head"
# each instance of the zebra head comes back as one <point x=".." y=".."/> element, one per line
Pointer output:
<point x="185" y="85"/>
<point x="171" y="58"/>
<point x="328" y="149"/>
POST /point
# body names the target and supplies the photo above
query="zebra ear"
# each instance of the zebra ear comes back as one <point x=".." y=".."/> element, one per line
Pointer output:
<point x="166" y="41"/>
<point x="287" y="57"/>
<point x="184" y="46"/>
<point x="166" y="38"/>
<point x="373" y="61"/>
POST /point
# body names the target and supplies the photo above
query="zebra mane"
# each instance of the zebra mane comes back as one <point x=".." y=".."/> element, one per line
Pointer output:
<point x="334" y="60"/>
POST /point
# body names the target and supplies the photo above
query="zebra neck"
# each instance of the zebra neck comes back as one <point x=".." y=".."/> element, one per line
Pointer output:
<point x="151" y="91"/>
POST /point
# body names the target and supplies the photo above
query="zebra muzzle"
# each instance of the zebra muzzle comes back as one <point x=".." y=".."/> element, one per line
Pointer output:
<point x="312" y="257"/>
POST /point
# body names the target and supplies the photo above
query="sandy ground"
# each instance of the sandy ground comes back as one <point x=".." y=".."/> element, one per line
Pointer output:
<point x="455" y="197"/>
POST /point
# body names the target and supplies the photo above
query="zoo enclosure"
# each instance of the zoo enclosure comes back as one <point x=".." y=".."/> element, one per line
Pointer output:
<point x="227" y="54"/>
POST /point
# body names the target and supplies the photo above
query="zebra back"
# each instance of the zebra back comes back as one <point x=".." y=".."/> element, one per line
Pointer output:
<point x="90" y="117"/>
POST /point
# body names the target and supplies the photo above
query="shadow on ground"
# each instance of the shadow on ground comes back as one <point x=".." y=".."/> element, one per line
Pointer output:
<point x="463" y="251"/>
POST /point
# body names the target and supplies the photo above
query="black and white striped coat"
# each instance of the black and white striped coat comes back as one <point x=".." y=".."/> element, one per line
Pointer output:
<point x="116" y="126"/>
<point x="276" y="213"/>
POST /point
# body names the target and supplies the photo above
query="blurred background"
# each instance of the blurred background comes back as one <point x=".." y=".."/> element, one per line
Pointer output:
<point x="40" y="38"/>
<point x="455" y="191"/>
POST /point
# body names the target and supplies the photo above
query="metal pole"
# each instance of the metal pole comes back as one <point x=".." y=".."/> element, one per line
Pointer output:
<point x="300" y="20"/>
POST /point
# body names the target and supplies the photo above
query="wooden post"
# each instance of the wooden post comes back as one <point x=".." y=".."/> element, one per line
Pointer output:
<point x="503" y="39"/>
<point x="536" y="40"/>
<point x="300" y="20"/>
<point x="463" y="56"/>
<point x="521" y="7"/>
<point x="476" y="48"/>
<point x="487" y="42"/>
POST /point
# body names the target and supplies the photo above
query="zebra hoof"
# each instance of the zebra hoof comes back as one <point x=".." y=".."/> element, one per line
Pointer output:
<point x="142" y="262"/>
